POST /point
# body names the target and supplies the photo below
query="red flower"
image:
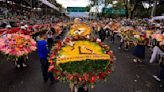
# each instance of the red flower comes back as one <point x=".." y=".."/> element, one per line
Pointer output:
<point x="100" y="75"/>
<point x="75" y="38"/>
<point x="86" y="76"/>
<point x="105" y="74"/>
<point x="50" y="61"/>
<point x="109" y="52"/>
<point x="94" y="40"/>
<point x="62" y="74"/>
<point x="69" y="77"/>
<point x="80" y="79"/>
<point x="52" y="56"/>
<point x="67" y="39"/>
<point x="111" y="61"/>
<point x="59" y="43"/>
<point x="109" y="71"/>
<point x="56" y="71"/>
<point x="50" y="68"/>
<point x="106" y="47"/>
<point x="93" y="79"/>
<point x="101" y="44"/>
<point x="57" y="77"/>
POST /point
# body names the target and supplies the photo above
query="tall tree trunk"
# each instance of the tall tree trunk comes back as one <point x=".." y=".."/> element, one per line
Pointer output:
<point x="126" y="8"/>
<point x="154" y="8"/>
<point x="132" y="12"/>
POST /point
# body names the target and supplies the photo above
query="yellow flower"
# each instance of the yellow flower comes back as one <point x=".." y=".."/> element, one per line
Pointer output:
<point x="80" y="29"/>
<point x="81" y="50"/>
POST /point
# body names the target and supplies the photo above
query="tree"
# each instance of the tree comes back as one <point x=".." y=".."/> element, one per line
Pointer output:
<point x="131" y="6"/>
<point x="154" y="8"/>
<point x="54" y="2"/>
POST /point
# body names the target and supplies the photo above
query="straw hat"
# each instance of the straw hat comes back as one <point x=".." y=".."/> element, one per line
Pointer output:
<point x="23" y="27"/>
<point x="8" y="26"/>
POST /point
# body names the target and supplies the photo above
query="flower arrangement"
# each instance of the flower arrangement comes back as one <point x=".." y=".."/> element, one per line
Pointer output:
<point x="127" y="33"/>
<point x="16" y="45"/>
<point x="132" y="36"/>
<point x="115" y="26"/>
<point x="162" y="43"/>
<point x="149" y="33"/>
<point x="81" y="61"/>
<point x="139" y="38"/>
<point x="80" y="30"/>
<point x="158" y="37"/>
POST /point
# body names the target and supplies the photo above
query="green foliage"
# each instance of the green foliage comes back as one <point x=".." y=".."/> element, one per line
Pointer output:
<point x="160" y="10"/>
<point x="84" y="67"/>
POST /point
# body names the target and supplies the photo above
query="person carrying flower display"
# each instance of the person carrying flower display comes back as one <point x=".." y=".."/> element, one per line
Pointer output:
<point x="139" y="49"/>
<point x="123" y="41"/>
<point x="22" y="30"/>
<point x="102" y="34"/>
<point x="107" y="30"/>
<point x="43" y="53"/>
<point x="112" y="39"/>
<point x="49" y="38"/>
<point x="21" y="62"/>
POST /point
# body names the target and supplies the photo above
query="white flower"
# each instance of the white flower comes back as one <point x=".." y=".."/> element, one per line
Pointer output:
<point x="98" y="40"/>
<point x="88" y="36"/>
<point x="71" y="43"/>
<point x="136" y="36"/>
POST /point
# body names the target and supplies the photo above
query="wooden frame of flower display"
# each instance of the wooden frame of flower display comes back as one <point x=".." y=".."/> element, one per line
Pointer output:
<point x="81" y="67"/>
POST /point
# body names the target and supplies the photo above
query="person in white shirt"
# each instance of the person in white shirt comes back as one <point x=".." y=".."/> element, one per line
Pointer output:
<point x="49" y="39"/>
<point x="158" y="51"/>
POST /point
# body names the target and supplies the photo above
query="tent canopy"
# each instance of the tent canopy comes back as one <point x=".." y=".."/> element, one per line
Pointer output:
<point x="49" y="4"/>
<point x="158" y="18"/>
<point x="33" y="3"/>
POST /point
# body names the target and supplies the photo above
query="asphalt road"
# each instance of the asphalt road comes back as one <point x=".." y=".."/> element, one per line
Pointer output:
<point x="127" y="77"/>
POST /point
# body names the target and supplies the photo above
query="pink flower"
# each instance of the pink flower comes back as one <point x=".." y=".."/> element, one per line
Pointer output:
<point x="33" y="48"/>
<point x="155" y="36"/>
<point x="10" y="42"/>
<point x="162" y="43"/>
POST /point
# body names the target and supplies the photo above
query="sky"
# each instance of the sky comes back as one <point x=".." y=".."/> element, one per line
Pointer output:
<point x="73" y="3"/>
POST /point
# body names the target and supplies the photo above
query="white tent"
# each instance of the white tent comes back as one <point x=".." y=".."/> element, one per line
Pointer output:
<point x="49" y="4"/>
<point x="158" y="18"/>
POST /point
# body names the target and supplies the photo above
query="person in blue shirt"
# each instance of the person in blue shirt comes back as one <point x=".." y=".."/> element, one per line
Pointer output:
<point x="43" y="54"/>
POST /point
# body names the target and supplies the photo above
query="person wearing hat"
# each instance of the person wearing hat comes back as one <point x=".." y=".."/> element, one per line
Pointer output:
<point x="22" y="30"/>
<point x="5" y="32"/>
<point x="139" y="49"/>
<point x="27" y="31"/>
<point x="8" y="26"/>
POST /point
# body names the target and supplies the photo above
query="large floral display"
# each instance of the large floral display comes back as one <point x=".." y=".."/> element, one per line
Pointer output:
<point x="80" y="29"/>
<point x="16" y="45"/>
<point x="159" y="38"/>
<point x="81" y="61"/>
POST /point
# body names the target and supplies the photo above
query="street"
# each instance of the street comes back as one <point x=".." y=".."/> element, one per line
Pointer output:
<point x="127" y="76"/>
